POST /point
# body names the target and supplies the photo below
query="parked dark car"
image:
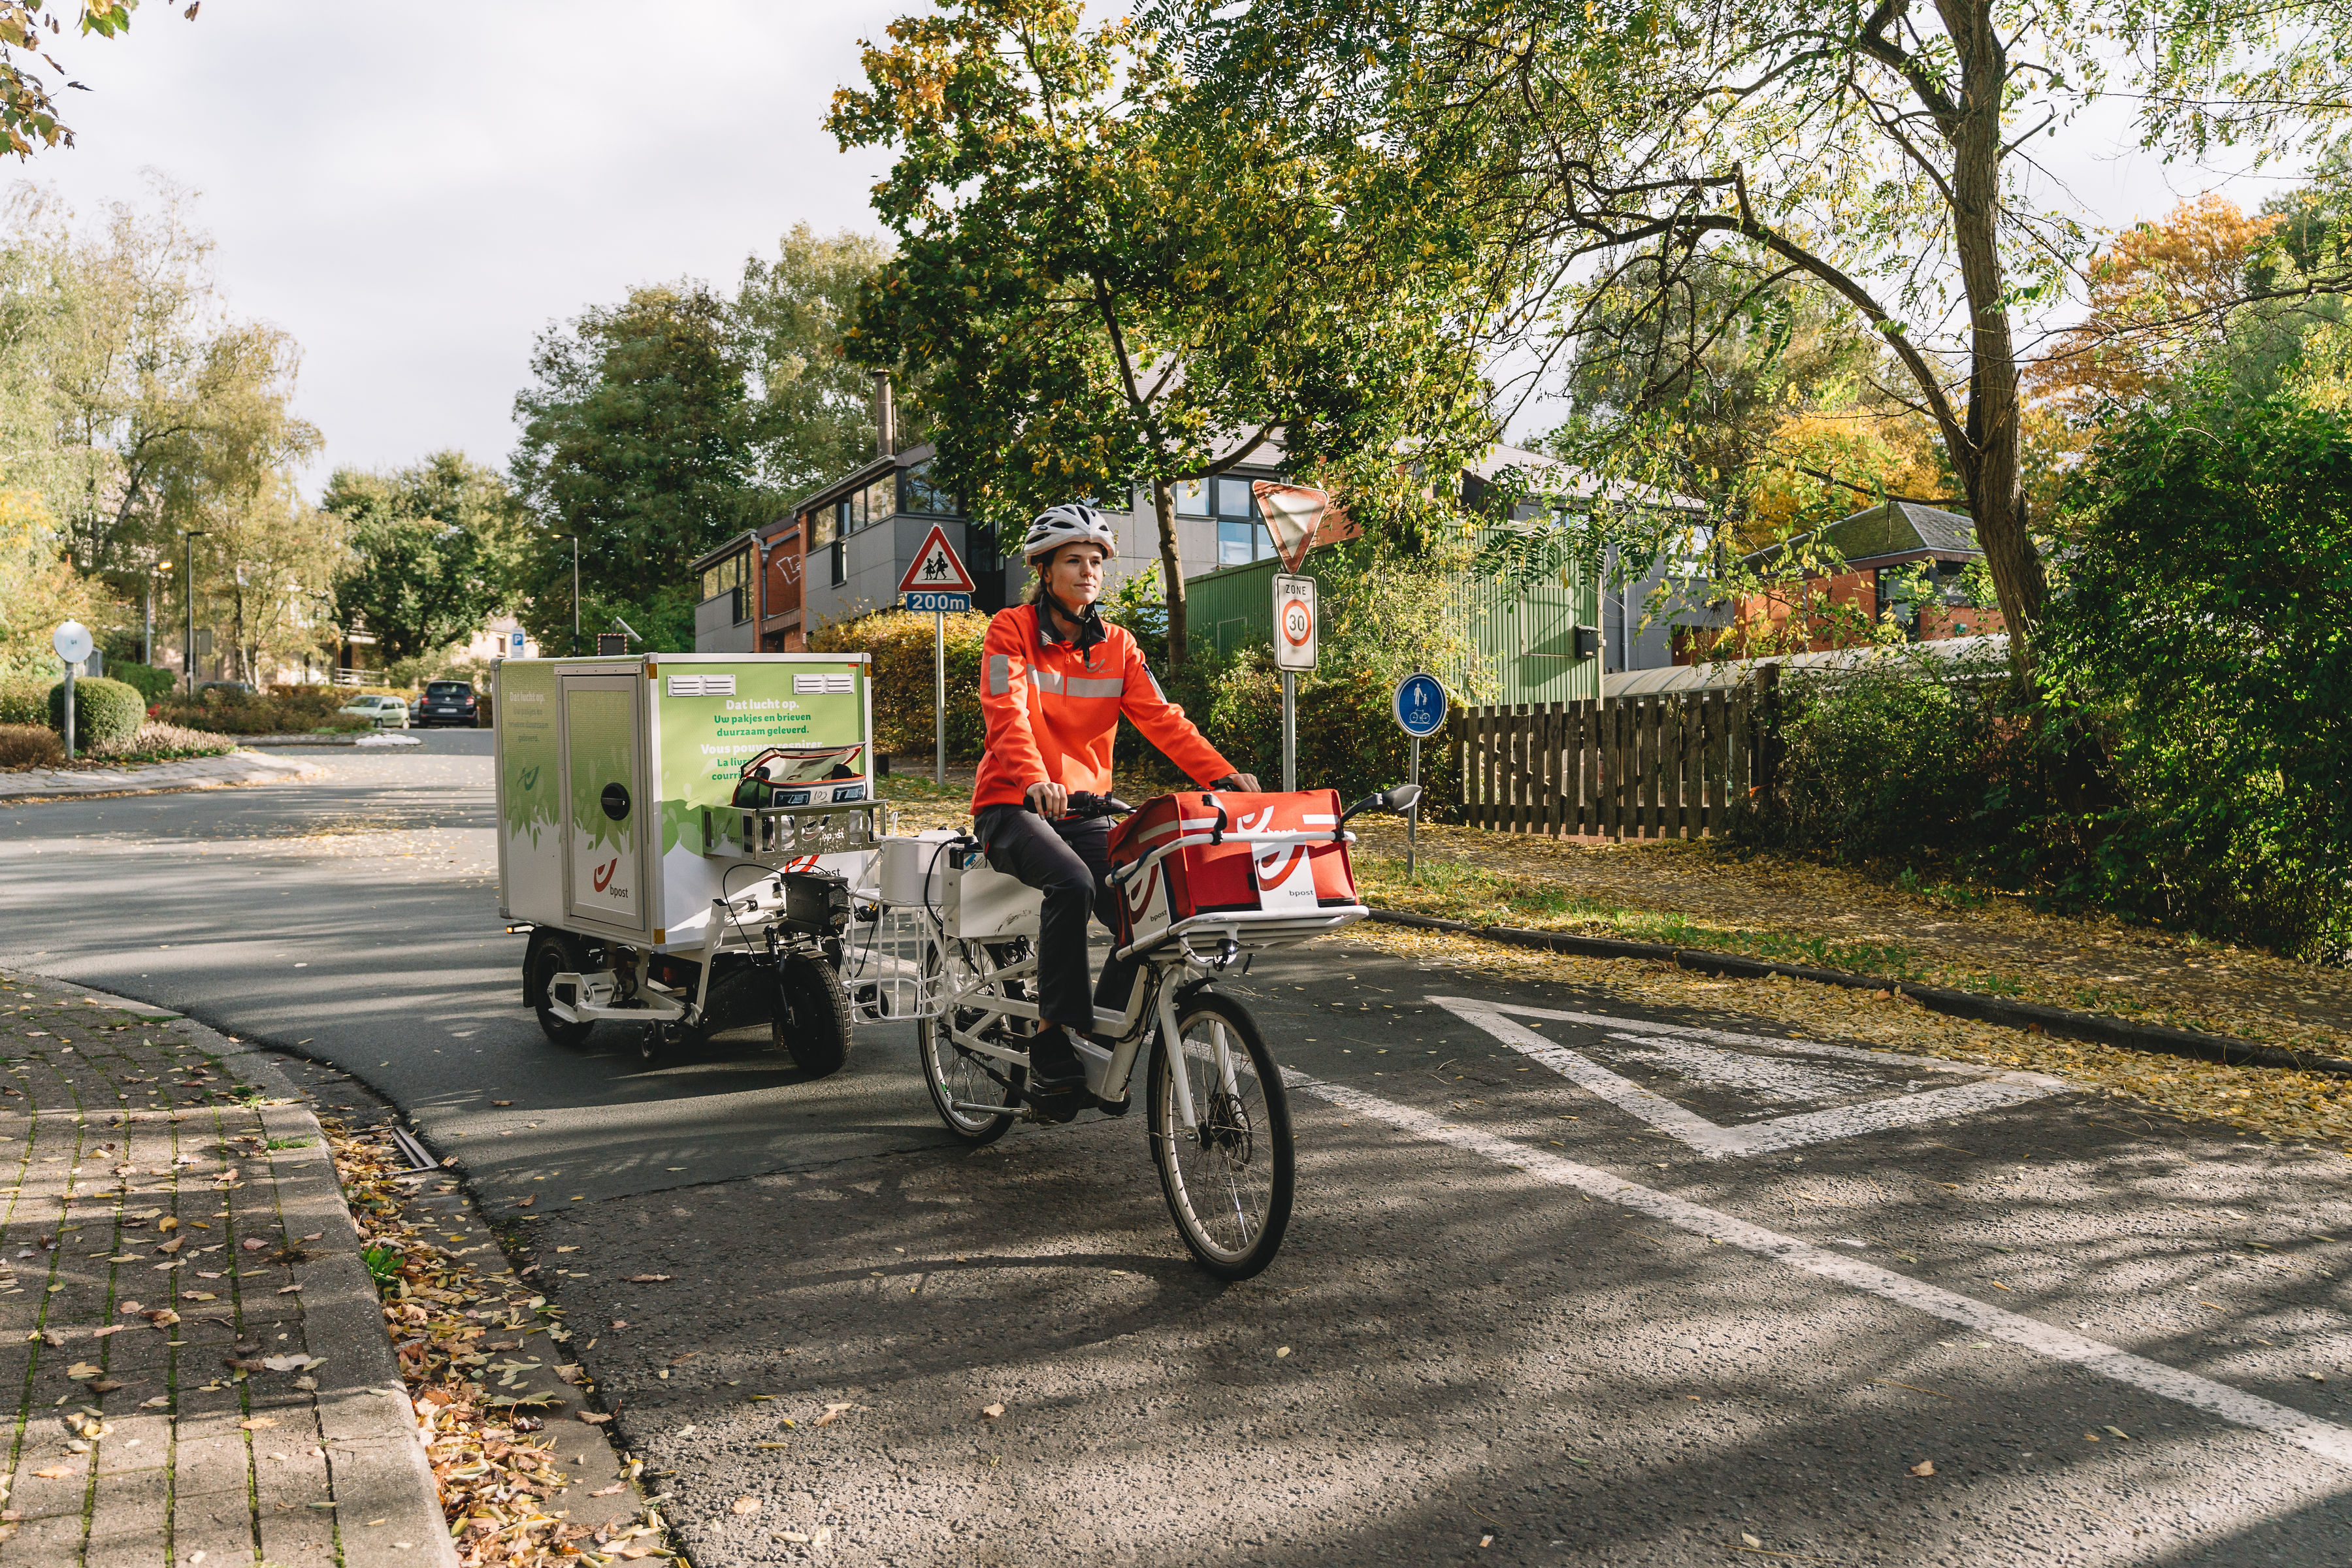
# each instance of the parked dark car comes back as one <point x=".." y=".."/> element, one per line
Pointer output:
<point x="446" y="702"/>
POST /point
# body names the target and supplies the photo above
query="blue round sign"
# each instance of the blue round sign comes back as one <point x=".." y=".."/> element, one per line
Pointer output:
<point x="1421" y="706"/>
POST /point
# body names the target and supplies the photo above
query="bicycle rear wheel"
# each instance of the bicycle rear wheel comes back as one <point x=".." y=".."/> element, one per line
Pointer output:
<point x="1229" y="1183"/>
<point x="961" y="1080"/>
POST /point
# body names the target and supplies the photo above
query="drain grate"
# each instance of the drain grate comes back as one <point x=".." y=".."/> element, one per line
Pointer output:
<point x="419" y="1157"/>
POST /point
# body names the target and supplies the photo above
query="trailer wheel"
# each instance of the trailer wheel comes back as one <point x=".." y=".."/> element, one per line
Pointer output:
<point x="552" y="954"/>
<point x="812" y="1016"/>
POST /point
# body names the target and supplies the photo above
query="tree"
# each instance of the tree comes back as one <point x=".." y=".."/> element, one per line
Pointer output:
<point x="29" y="114"/>
<point x="268" y="563"/>
<point x="432" y="550"/>
<point x="2162" y="295"/>
<point x="812" y="415"/>
<point x="636" y="439"/>
<point x="1108" y="283"/>
<point x="154" y="392"/>
<point x="1881" y="152"/>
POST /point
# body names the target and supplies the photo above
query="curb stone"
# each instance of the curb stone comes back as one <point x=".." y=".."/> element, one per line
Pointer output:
<point x="36" y="786"/>
<point x="374" y="1451"/>
<point x="2098" y="1028"/>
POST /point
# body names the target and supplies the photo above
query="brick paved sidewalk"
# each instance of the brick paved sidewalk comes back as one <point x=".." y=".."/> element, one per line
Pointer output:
<point x="194" y="1352"/>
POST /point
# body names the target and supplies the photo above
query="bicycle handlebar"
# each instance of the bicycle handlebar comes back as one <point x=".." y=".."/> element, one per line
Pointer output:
<point x="1085" y="805"/>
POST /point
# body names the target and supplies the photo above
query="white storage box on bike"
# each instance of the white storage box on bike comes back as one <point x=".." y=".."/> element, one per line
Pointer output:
<point x="1207" y="877"/>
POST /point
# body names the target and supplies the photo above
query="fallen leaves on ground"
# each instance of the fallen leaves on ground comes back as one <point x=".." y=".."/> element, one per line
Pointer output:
<point x="992" y="1412"/>
<point x="494" y="1476"/>
<point x="1923" y="1467"/>
<point x="744" y="1505"/>
<point x="1793" y="909"/>
<point x="2274" y="1103"/>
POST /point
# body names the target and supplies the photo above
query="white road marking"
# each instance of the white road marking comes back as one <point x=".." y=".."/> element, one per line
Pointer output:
<point x="1697" y="1050"/>
<point x="2232" y="1404"/>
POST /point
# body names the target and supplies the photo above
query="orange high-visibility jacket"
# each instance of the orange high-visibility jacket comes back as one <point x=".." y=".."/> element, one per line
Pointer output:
<point x="1053" y="710"/>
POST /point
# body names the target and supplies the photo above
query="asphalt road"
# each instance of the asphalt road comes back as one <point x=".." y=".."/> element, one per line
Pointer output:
<point x="1567" y="1283"/>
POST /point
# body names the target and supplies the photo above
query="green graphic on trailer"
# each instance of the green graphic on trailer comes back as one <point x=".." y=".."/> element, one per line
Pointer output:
<point x="526" y="720"/>
<point x="717" y="717"/>
<point x="599" y="716"/>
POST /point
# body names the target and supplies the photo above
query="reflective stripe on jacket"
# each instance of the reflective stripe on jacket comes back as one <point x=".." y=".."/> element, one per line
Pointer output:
<point x="1054" y="708"/>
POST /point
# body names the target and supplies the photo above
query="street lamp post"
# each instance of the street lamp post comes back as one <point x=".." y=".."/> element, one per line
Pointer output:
<point x="188" y="647"/>
<point x="575" y="591"/>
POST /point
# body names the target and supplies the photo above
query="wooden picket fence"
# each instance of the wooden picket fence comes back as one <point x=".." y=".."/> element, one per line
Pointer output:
<point x="1675" y="766"/>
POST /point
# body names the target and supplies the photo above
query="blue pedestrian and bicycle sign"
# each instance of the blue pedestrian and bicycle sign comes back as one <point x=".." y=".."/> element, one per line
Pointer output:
<point x="1421" y="705"/>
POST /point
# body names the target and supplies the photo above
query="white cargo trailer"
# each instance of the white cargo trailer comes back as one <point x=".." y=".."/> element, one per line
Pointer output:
<point x="662" y="887"/>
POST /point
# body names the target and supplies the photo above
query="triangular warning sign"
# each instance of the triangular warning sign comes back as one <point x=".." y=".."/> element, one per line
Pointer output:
<point x="937" y="568"/>
<point x="1300" y="518"/>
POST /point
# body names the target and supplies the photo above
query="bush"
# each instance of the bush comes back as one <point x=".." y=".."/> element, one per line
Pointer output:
<point x="152" y="683"/>
<point x="106" y="713"/>
<point x="1347" y="737"/>
<point x="24" y="702"/>
<point x="904" y="677"/>
<point x="1906" y="756"/>
<point x="2201" y="659"/>
<point x="30" y="746"/>
<point x="163" y="742"/>
<point x="285" y="710"/>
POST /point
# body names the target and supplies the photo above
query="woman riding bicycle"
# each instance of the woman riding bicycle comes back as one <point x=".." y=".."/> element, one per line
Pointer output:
<point x="1054" y="680"/>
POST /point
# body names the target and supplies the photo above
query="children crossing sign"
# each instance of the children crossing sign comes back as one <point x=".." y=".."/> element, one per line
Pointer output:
<point x="936" y="582"/>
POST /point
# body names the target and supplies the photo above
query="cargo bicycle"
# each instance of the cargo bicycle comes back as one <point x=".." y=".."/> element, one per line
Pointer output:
<point x="1205" y="881"/>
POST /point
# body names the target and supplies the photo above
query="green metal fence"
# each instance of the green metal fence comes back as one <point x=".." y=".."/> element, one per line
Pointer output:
<point x="1526" y="641"/>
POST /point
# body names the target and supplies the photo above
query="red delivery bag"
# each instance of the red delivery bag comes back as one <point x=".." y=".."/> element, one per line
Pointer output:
<point x="1228" y="877"/>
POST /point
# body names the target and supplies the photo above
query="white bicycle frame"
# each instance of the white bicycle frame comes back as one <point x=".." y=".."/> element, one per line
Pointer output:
<point x="1152" y="998"/>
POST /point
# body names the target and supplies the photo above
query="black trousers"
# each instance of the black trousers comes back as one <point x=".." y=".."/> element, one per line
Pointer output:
<point x="1069" y="862"/>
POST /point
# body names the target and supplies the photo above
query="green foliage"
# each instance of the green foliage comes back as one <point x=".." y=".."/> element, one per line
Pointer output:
<point x="282" y="710"/>
<point x="435" y="548"/>
<point x="812" y="409"/>
<point x="2204" y="653"/>
<point x="636" y="437"/>
<point x="1908" y="756"/>
<point x="25" y="699"/>
<point x="106" y="713"/>
<point x="1108" y="283"/>
<point x="1347" y="737"/>
<point x="29" y="114"/>
<point x="151" y="683"/>
<point x="905" y="681"/>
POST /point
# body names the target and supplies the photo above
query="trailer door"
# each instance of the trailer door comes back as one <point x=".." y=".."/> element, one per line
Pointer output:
<point x="606" y="802"/>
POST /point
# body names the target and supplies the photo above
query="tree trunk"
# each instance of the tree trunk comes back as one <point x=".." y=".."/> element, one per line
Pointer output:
<point x="1990" y="467"/>
<point x="1172" y="567"/>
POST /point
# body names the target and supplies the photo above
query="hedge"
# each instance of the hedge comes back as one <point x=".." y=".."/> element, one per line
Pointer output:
<point x="106" y="713"/>
<point x="904" y="677"/>
<point x="24" y="700"/>
<point x="152" y="683"/>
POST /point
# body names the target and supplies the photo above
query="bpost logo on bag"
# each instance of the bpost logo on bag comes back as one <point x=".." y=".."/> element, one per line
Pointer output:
<point x="1286" y="878"/>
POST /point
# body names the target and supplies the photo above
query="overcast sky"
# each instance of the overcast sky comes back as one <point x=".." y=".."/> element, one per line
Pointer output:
<point x="415" y="192"/>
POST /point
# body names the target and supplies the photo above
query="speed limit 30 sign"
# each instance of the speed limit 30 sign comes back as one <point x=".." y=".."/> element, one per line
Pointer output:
<point x="1293" y="622"/>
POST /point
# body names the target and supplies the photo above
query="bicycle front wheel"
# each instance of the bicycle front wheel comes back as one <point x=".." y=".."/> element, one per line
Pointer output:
<point x="977" y="1096"/>
<point x="1229" y="1180"/>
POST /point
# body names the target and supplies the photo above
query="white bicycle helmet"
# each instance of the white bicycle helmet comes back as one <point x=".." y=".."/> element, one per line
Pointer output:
<point x="1072" y="523"/>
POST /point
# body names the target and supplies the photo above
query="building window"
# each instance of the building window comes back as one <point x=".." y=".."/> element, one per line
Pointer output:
<point x="919" y="495"/>
<point x="1241" y="537"/>
<point x="1192" y="499"/>
<point x="733" y="575"/>
<point x="839" y="555"/>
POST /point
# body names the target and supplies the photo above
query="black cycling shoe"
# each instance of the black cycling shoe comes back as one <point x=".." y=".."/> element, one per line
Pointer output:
<point x="1057" y="1079"/>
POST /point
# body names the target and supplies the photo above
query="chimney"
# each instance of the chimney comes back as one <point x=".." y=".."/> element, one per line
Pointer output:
<point x="886" y="420"/>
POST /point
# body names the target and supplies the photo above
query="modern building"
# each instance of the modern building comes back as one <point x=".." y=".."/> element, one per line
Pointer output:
<point x="842" y="549"/>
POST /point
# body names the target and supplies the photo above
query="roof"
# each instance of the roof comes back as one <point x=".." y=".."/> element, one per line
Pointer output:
<point x="1731" y="672"/>
<point x="857" y="478"/>
<point x="1895" y="531"/>
<point x="1550" y="476"/>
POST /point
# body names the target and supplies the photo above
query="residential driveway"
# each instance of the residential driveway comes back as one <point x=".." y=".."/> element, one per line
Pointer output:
<point x="1568" y="1281"/>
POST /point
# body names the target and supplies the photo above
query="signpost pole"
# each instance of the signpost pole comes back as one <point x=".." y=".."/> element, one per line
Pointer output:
<point x="1289" y="731"/>
<point x="72" y="641"/>
<point x="69" y="713"/>
<point x="939" y="716"/>
<point x="1413" y="815"/>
